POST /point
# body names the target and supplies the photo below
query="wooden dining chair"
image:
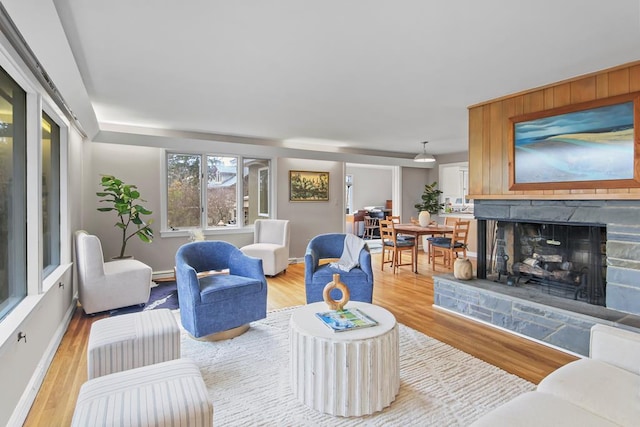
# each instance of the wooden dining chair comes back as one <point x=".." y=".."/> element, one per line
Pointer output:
<point x="448" y="221"/>
<point x="393" y="218"/>
<point x="448" y="247"/>
<point x="396" y="220"/>
<point x="386" y="235"/>
<point x="370" y="225"/>
<point x="392" y="247"/>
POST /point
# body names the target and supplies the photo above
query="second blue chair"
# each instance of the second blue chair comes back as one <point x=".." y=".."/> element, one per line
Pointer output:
<point x="359" y="280"/>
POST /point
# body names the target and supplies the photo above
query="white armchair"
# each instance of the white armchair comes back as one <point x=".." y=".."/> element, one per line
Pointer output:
<point x="107" y="285"/>
<point x="270" y="244"/>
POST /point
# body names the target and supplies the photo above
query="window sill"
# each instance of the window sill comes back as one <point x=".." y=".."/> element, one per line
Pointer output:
<point x="54" y="277"/>
<point x="12" y="321"/>
<point x="211" y="232"/>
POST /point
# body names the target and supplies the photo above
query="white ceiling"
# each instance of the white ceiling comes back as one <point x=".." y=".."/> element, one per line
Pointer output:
<point x="364" y="74"/>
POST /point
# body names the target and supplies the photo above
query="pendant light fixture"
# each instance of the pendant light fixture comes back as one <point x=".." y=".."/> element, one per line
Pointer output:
<point x="424" y="157"/>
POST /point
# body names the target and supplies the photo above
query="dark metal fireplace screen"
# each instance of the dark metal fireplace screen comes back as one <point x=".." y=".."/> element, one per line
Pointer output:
<point x="563" y="260"/>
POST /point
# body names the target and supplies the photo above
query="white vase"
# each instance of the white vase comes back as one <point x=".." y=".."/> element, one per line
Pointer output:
<point x="424" y="218"/>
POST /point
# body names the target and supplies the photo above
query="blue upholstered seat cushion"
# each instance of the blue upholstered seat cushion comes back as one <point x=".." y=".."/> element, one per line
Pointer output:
<point x="324" y="274"/>
<point x="445" y="242"/>
<point x="441" y="241"/>
<point x="401" y="243"/>
<point x="227" y="286"/>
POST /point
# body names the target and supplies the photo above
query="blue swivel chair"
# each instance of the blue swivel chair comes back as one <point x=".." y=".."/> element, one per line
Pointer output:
<point x="219" y="302"/>
<point x="359" y="280"/>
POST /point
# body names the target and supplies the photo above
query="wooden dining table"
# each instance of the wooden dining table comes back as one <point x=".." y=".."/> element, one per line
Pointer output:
<point x="417" y="231"/>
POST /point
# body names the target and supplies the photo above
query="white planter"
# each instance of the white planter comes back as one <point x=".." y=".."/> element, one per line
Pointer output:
<point x="424" y="218"/>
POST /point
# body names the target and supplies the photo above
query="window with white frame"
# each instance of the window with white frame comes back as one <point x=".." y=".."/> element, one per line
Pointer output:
<point x="50" y="152"/>
<point x="13" y="189"/>
<point x="221" y="191"/>
<point x="203" y="190"/>
<point x="263" y="192"/>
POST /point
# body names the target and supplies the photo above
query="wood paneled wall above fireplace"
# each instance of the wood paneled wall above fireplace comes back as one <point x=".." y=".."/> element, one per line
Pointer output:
<point x="489" y="129"/>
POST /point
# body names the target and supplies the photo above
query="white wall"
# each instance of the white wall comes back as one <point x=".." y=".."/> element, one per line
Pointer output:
<point x="44" y="314"/>
<point x="413" y="182"/>
<point x="372" y="185"/>
<point x="309" y="219"/>
<point x="142" y="166"/>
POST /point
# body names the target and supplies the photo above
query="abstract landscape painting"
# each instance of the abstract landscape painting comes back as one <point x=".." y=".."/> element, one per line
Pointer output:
<point x="589" y="145"/>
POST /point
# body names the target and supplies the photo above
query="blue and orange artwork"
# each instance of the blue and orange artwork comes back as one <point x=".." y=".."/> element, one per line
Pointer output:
<point x="589" y="145"/>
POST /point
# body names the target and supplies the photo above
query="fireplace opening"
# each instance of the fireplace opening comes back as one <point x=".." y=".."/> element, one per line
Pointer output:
<point x="558" y="259"/>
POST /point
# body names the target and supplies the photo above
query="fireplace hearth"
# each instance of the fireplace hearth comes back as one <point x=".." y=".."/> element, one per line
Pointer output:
<point x="563" y="260"/>
<point x="551" y="269"/>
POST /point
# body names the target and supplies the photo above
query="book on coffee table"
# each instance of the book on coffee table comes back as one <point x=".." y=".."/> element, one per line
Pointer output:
<point x="346" y="320"/>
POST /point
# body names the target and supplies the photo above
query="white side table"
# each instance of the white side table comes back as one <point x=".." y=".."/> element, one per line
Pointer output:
<point x="349" y="373"/>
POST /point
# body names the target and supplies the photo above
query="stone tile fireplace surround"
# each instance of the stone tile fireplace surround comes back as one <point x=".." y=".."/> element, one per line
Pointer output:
<point x="559" y="322"/>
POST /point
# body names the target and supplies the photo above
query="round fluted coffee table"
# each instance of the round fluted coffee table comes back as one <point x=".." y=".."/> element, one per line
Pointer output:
<point x="350" y="373"/>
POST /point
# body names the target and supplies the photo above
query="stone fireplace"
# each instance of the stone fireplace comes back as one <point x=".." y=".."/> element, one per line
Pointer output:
<point x="561" y="259"/>
<point x="549" y="270"/>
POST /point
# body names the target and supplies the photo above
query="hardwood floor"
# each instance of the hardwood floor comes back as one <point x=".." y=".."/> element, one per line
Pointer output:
<point x="407" y="295"/>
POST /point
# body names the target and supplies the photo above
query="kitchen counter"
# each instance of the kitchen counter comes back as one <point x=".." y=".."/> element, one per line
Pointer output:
<point x="464" y="215"/>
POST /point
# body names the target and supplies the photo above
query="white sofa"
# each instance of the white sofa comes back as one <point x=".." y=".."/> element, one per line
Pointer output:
<point x="602" y="390"/>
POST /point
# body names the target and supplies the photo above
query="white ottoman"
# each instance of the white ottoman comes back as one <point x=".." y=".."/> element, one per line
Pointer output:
<point x="165" y="394"/>
<point x="132" y="340"/>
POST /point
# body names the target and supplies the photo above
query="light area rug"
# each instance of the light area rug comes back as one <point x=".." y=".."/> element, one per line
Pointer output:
<point x="248" y="381"/>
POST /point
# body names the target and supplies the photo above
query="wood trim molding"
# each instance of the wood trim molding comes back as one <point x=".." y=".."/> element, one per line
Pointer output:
<point x="594" y="74"/>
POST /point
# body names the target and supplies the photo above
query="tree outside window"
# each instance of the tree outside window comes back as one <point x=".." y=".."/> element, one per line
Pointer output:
<point x="222" y="184"/>
<point x="183" y="190"/>
<point x="193" y="200"/>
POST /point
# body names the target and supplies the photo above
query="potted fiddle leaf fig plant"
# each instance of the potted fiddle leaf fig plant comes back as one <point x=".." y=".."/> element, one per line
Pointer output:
<point x="125" y="200"/>
<point x="430" y="203"/>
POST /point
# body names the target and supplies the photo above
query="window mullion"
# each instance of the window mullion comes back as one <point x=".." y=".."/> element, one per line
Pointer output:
<point x="239" y="192"/>
<point x="204" y="173"/>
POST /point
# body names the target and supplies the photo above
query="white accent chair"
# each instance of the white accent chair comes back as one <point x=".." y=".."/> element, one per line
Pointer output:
<point x="270" y="244"/>
<point x="108" y="285"/>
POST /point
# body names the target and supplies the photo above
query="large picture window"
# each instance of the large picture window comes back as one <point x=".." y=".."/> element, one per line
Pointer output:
<point x="13" y="168"/>
<point x="204" y="191"/>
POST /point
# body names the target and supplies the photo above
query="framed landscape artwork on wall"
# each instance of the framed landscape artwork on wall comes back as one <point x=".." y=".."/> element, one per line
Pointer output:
<point x="590" y="145"/>
<point x="307" y="186"/>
